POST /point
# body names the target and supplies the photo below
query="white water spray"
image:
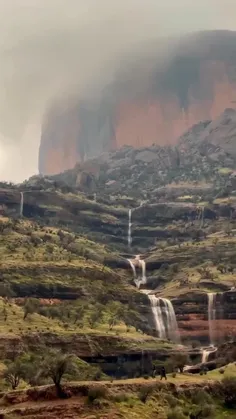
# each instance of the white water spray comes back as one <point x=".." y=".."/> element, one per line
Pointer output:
<point x="129" y="228"/>
<point x="21" y="203"/>
<point x="211" y="315"/>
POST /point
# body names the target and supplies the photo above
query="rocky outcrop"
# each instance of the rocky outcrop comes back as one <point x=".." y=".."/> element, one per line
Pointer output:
<point x="86" y="346"/>
<point x="196" y="84"/>
<point x="190" y="169"/>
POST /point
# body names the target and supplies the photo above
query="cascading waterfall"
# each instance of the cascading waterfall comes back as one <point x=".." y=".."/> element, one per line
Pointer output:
<point x="21" y="203"/>
<point x="129" y="228"/>
<point x="164" y="318"/>
<point x="211" y="296"/>
<point x="206" y="353"/>
<point x="132" y="267"/>
<point x="162" y="308"/>
<point x="211" y="315"/>
<point x="172" y="325"/>
<point x="157" y="316"/>
<point x="142" y="263"/>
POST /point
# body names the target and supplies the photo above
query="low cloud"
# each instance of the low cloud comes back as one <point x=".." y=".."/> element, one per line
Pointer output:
<point x="57" y="48"/>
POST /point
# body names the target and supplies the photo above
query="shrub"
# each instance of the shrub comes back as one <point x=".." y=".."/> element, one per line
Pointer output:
<point x="195" y="344"/>
<point x="229" y="391"/>
<point x="171" y="400"/>
<point x="202" y="412"/>
<point x="208" y="411"/>
<point x="176" y="413"/>
<point x="96" y="392"/>
<point x="145" y="392"/>
<point x="98" y="375"/>
<point x="122" y="397"/>
<point x="179" y="360"/>
<point x="201" y="397"/>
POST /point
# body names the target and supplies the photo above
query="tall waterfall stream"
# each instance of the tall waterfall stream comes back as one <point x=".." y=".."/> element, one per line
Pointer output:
<point x="162" y="309"/>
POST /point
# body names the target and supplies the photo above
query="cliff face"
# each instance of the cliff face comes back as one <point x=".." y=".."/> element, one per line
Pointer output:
<point x="192" y="316"/>
<point x="198" y="83"/>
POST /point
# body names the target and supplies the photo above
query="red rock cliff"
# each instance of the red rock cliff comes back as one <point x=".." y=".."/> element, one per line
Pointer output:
<point x="198" y="84"/>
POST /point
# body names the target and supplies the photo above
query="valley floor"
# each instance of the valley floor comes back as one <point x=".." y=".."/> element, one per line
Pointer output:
<point x="122" y="399"/>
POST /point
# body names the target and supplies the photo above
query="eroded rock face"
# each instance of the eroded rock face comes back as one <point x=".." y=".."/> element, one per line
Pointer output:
<point x="197" y="84"/>
<point x="192" y="315"/>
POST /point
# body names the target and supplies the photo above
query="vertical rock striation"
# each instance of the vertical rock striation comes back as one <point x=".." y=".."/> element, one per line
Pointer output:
<point x="197" y="84"/>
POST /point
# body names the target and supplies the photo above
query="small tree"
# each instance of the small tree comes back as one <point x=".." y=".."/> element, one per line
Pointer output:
<point x="30" y="307"/>
<point x="14" y="373"/>
<point x="113" y="320"/>
<point x="4" y="313"/>
<point x="93" y="319"/>
<point x="221" y="268"/>
<point x="6" y="291"/>
<point x="179" y="360"/>
<point x="79" y="313"/>
<point x="55" y="365"/>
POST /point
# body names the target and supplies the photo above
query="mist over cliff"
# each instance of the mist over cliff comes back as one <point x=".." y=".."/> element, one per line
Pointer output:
<point x="80" y="50"/>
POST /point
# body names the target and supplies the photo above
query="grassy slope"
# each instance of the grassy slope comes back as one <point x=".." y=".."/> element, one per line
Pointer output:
<point x="36" y="323"/>
<point x="215" y="249"/>
<point x="50" y="264"/>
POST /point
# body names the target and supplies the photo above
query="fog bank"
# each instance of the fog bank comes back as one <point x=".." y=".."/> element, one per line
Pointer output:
<point x="60" y="47"/>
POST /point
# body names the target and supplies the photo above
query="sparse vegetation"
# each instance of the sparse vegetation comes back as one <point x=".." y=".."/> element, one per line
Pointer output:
<point x="62" y="281"/>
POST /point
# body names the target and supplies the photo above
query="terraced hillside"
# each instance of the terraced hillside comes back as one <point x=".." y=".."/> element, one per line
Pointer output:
<point x="73" y="248"/>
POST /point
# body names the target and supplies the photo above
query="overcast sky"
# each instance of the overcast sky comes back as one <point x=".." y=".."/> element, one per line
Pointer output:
<point x="49" y="47"/>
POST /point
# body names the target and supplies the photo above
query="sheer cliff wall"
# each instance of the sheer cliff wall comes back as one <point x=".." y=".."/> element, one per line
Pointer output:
<point x="197" y="83"/>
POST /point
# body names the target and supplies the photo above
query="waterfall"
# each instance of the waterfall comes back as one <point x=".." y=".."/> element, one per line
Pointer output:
<point x="21" y="203"/>
<point x="142" y="263"/>
<point x="211" y="315"/>
<point x="129" y="228"/>
<point x="172" y="325"/>
<point x="206" y="353"/>
<point x="202" y="219"/>
<point x="164" y="318"/>
<point x="162" y="308"/>
<point x="157" y="315"/>
<point x="132" y="267"/>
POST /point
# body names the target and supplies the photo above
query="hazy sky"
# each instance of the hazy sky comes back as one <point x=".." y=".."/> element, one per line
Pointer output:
<point x="50" y="47"/>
